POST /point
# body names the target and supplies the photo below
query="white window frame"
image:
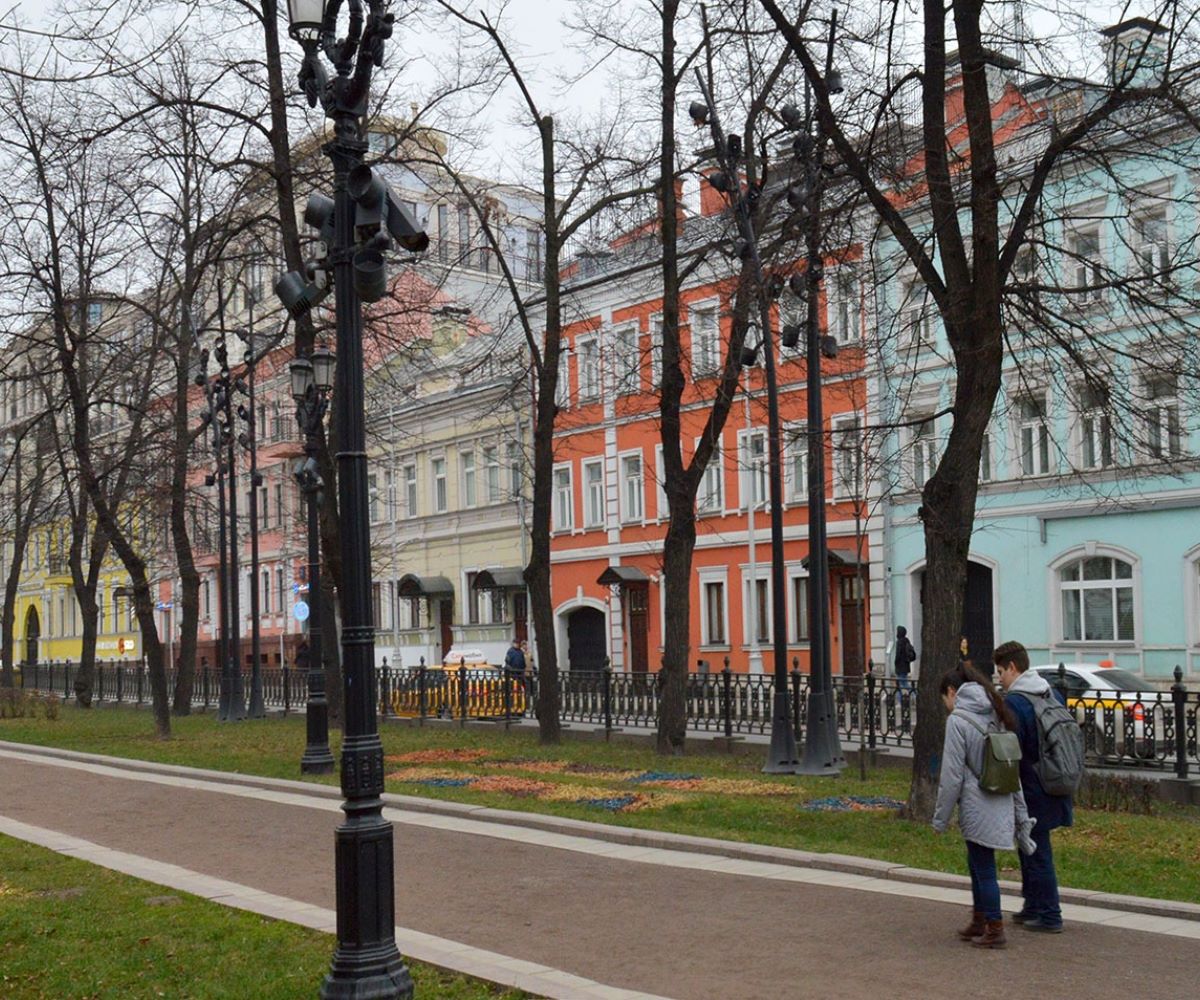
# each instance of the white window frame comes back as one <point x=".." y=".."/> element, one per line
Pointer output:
<point x="627" y="359"/>
<point x="843" y="304"/>
<point x="753" y="478"/>
<point x="717" y="575"/>
<point x="765" y="609"/>
<point x="915" y="321"/>
<point x="1082" y="272"/>
<point x="564" y="498"/>
<point x="1095" y="448"/>
<point x="562" y="390"/>
<point x="704" y="326"/>
<point x="1041" y="460"/>
<point x="1151" y="257"/>
<point x="470" y="484"/>
<point x="987" y="466"/>
<point x="1058" y="587"/>
<point x="1163" y="420"/>
<point x="1191" y="591"/>
<point x="655" y="333"/>
<point x="439" y="483"/>
<point x="841" y="425"/>
<point x="491" y="465"/>
<point x="633" y="487"/>
<point x="710" y="497"/>
<point x="795" y="450"/>
<point x="373" y="497"/>
<point x="409" y="471"/>
<point x="591" y="479"/>
<point x="923" y="450"/>
<point x="588" y="364"/>
<point x="661" y="511"/>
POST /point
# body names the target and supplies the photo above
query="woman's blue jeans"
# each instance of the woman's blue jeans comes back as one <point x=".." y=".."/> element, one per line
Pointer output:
<point x="985" y="889"/>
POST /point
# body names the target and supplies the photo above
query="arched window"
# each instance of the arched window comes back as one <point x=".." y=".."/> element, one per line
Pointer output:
<point x="1097" y="595"/>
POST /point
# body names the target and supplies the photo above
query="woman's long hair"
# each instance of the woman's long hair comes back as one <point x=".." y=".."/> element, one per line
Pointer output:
<point x="967" y="673"/>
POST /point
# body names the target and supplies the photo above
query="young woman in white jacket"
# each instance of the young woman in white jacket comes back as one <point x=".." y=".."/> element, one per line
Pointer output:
<point x="989" y="822"/>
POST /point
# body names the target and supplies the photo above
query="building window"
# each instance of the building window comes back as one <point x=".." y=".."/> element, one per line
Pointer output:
<point x="1095" y="429"/>
<point x="562" y="386"/>
<point x="714" y="612"/>
<point x="800" y="629"/>
<point x="1151" y="250"/>
<point x="1084" y="269"/>
<point x="472" y="600"/>
<point x="796" y="437"/>
<point x="627" y="367"/>
<point x="985" y="459"/>
<point x="593" y="493"/>
<point x="754" y="466"/>
<point x="280" y="588"/>
<point x="1097" y="600"/>
<point x="1033" y="436"/>
<point x="923" y="450"/>
<point x="264" y="599"/>
<point x="589" y="369"/>
<point x="440" y="498"/>
<point x="1163" y="438"/>
<point x="916" y="327"/>
<point x="409" y="474"/>
<point x="847" y="457"/>
<point x="758" y="611"/>
<point x="514" y="469"/>
<point x="661" y="510"/>
<point x="706" y="339"/>
<point x="467" y="459"/>
<point x="491" y="463"/>
<point x="632" y="488"/>
<point x="844" y="305"/>
<point x="95" y="312"/>
<point x="563" y="506"/>
<point x="656" y="350"/>
<point x="373" y="498"/>
<point x="711" y="497"/>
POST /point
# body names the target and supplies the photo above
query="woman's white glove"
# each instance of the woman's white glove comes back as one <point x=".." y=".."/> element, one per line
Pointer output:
<point x="1025" y="842"/>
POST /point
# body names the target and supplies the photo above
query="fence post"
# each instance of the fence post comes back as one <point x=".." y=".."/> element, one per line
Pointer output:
<point x="1179" y="697"/>
<point x="99" y="680"/>
<point x="607" y="699"/>
<point x="462" y="693"/>
<point x="727" y="702"/>
<point x="66" y="680"/>
<point x="385" y="689"/>
<point x="120" y="681"/>
<point x="796" y="696"/>
<point x="287" y="688"/>
<point x="421" y="690"/>
<point x="140" y="674"/>
<point x="36" y="668"/>
<point x="871" y="703"/>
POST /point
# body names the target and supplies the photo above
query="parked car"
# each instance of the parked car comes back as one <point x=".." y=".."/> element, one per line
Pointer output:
<point x="1121" y="713"/>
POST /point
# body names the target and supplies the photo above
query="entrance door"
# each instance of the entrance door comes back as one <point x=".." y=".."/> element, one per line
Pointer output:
<point x="521" y="615"/>
<point x="977" y="616"/>
<point x="586" y="647"/>
<point x="850" y="591"/>
<point x="638" y="597"/>
<point x="33" y="632"/>
<point x="446" y="619"/>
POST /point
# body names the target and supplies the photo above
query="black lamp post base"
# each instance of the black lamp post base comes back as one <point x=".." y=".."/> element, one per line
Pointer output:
<point x="823" y="748"/>
<point x="317" y="762"/>
<point x="258" y="708"/>
<point x="782" y="757"/>
<point x="368" y="977"/>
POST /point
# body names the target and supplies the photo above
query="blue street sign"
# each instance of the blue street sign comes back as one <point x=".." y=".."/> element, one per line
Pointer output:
<point x="300" y="611"/>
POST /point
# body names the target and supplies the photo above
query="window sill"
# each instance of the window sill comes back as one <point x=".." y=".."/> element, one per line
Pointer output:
<point x="1096" y="644"/>
<point x="718" y="648"/>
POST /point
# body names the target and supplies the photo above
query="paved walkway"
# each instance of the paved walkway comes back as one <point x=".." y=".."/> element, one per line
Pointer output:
<point x="573" y="916"/>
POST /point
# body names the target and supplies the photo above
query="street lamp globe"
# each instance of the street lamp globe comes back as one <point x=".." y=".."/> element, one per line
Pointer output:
<point x="305" y="18"/>
<point x="323" y="362"/>
<point x="301" y="370"/>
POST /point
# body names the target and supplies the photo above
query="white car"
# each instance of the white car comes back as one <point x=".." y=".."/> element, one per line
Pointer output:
<point x="1113" y="706"/>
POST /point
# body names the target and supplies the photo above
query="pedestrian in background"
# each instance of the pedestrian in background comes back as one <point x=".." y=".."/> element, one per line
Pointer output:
<point x="902" y="658"/>
<point x="1039" y="881"/>
<point x="989" y="821"/>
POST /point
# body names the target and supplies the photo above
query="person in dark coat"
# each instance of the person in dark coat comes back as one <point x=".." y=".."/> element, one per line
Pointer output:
<point x="514" y="668"/>
<point x="1039" y="881"/>
<point x="902" y="659"/>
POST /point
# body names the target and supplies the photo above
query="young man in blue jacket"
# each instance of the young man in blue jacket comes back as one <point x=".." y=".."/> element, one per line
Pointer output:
<point x="1039" y="882"/>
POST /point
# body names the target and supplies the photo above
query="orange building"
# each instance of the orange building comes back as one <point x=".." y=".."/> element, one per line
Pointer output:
<point x="610" y="513"/>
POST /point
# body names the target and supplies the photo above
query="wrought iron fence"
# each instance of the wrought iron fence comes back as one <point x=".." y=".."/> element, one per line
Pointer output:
<point x="1152" y="729"/>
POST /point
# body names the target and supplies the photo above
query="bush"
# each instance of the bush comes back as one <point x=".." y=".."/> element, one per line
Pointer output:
<point x="18" y="704"/>
<point x="1117" y="793"/>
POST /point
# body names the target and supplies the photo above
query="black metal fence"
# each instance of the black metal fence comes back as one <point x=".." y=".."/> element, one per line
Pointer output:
<point x="1152" y="729"/>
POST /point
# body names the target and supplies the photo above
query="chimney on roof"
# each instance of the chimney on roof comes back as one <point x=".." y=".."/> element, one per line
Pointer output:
<point x="1135" y="52"/>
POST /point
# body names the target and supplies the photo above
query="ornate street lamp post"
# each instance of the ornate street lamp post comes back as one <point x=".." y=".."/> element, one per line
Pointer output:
<point x="311" y="383"/>
<point x="366" y="962"/>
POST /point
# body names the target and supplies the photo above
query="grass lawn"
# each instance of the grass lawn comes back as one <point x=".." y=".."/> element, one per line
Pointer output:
<point x="703" y="793"/>
<point x="73" y="931"/>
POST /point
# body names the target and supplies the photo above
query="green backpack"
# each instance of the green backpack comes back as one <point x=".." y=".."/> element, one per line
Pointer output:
<point x="1001" y="773"/>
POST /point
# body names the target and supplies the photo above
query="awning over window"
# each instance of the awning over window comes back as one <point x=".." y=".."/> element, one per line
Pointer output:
<point x="838" y="559"/>
<point x="623" y="575"/>
<point x="411" y="585"/>
<point x="500" y="578"/>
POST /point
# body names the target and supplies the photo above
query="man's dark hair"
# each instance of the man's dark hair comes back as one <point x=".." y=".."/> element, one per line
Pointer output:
<point x="1014" y="653"/>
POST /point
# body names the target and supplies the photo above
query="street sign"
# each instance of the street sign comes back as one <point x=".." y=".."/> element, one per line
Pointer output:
<point x="300" y="611"/>
<point x="299" y="588"/>
<point x="163" y="606"/>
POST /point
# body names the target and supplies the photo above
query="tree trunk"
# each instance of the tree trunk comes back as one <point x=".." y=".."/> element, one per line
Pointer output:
<point x="23" y="518"/>
<point x="85" y="676"/>
<point x="181" y="541"/>
<point x="537" y="572"/>
<point x="678" y="548"/>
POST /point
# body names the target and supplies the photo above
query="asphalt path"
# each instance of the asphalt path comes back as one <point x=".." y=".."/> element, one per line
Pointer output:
<point x="620" y="916"/>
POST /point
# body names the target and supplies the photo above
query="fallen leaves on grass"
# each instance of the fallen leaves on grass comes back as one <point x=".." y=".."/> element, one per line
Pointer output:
<point x="441" y="756"/>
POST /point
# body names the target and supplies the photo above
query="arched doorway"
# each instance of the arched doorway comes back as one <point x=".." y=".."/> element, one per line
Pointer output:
<point x="586" y="647"/>
<point x="33" y="632"/>
<point x="979" y="616"/>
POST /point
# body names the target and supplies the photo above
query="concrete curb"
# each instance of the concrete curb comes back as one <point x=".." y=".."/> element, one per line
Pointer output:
<point x="630" y="836"/>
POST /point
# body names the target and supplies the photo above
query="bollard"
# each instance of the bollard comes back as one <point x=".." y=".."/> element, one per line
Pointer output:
<point x="727" y="701"/>
<point x="871" y="704"/>
<point x="462" y="693"/>
<point x="607" y="699"/>
<point x="1179" y="697"/>
<point x="796" y="695"/>
<point x="421" y="691"/>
